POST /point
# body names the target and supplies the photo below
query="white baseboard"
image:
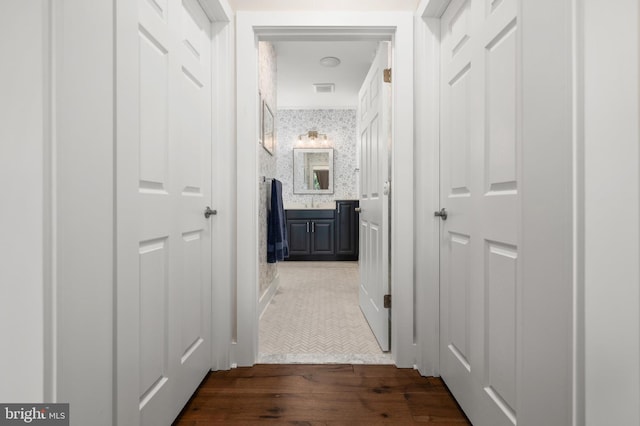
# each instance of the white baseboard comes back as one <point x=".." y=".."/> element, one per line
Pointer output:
<point x="268" y="295"/>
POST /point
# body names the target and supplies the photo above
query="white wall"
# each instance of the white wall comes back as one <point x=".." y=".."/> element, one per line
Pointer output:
<point x="611" y="212"/>
<point x="84" y="56"/>
<point x="22" y="158"/>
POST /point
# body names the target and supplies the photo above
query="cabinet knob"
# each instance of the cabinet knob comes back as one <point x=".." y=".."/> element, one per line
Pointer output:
<point x="357" y="210"/>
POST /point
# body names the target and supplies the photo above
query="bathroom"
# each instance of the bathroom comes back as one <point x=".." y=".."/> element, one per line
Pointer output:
<point x="308" y="110"/>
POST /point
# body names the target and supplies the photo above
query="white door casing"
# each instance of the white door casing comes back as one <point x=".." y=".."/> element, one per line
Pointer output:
<point x="479" y="239"/>
<point x="164" y="184"/>
<point x="272" y="26"/>
<point x="374" y="130"/>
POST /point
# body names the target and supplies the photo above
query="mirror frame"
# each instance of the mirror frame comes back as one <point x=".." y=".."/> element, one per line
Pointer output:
<point x="297" y="190"/>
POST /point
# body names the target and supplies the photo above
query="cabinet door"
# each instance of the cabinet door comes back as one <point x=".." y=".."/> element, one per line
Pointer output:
<point x="299" y="236"/>
<point x="322" y="233"/>
<point x="347" y="228"/>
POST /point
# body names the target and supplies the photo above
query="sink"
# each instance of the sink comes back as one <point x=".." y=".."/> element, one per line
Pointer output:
<point x="329" y="205"/>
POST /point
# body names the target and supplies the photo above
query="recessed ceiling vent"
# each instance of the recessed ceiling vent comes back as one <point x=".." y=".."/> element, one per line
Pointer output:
<point x="324" y="87"/>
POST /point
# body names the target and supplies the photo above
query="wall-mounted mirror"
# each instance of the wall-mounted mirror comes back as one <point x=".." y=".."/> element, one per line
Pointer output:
<point x="313" y="170"/>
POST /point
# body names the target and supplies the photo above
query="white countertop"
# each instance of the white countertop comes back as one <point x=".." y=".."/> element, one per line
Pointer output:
<point x="329" y="205"/>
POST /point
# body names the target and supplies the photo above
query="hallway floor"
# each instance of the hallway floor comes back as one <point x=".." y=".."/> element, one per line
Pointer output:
<point x="321" y="395"/>
<point x="314" y="318"/>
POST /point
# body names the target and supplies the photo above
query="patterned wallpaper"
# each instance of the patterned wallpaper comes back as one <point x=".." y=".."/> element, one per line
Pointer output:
<point x="267" y="162"/>
<point x="340" y="127"/>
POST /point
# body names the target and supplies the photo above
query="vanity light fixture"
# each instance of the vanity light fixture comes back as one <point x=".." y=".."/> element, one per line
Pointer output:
<point x="313" y="137"/>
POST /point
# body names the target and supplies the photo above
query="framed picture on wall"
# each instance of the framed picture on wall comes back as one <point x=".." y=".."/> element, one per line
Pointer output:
<point x="260" y="119"/>
<point x="268" y="133"/>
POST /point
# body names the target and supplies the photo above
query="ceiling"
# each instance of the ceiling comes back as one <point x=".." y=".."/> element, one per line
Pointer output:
<point x="298" y="68"/>
<point x="410" y="5"/>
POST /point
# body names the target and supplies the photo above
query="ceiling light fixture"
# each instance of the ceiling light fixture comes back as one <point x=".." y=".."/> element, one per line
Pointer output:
<point x="330" y="61"/>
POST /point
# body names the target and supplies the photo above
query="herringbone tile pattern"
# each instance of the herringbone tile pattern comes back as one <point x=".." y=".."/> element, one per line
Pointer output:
<point x="315" y="316"/>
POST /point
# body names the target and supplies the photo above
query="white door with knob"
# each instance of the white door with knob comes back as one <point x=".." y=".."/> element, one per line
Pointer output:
<point x="374" y="127"/>
<point x="479" y="189"/>
<point x="164" y="186"/>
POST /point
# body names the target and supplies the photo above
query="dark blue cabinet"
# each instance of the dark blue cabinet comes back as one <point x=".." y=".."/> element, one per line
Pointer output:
<point x="324" y="234"/>
<point x="347" y="227"/>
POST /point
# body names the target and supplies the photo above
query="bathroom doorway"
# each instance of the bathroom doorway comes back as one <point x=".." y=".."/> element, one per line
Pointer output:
<point x="302" y="26"/>
<point x="309" y="310"/>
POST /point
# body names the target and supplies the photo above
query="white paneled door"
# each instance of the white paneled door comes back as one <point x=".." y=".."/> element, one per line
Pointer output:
<point x="374" y="127"/>
<point x="479" y="190"/>
<point x="164" y="185"/>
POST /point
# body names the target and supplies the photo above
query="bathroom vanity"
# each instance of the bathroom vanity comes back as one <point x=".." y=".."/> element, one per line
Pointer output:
<point x="324" y="234"/>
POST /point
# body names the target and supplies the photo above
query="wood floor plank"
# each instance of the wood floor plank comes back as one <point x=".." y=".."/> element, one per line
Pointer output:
<point x="384" y="371"/>
<point x="435" y="407"/>
<point x="320" y="395"/>
<point x="271" y="370"/>
<point x="317" y="384"/>
<point x="302" y="407"/>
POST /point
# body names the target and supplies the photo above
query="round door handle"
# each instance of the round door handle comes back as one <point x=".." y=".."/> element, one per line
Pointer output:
<point x="208" y="212"/>
<point x="442" y="214"/>
<point x="357" y="210"/>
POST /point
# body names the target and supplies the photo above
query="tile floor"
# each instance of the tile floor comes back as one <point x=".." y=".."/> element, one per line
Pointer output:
<point x="314" y="317"/>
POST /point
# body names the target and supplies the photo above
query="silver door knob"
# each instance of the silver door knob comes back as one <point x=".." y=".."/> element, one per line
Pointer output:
<point x="357" y="210"/>
<point x="441" y="214"/>
<point x="208" y="212"/>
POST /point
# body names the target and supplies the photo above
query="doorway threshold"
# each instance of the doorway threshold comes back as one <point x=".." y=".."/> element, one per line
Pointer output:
<point x="371" y="359"/>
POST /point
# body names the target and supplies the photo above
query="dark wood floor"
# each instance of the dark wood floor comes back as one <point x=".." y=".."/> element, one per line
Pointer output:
<point x="321" y="395"/>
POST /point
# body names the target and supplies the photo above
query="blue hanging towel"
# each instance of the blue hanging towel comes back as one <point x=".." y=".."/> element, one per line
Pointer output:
<point x="277" y="242"/>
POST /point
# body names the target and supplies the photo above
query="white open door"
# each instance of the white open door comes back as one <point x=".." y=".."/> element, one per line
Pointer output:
<point x="164" y="185"/>
<point x="479" y="189"/>
<point x="374" y="127"/>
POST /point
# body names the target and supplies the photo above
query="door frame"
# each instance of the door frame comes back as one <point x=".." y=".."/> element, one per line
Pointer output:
<point x="609" y="299"/>
<point x="394" y="26"/>
<point x="427" y="174"/>
<point x="546" y="167"/>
